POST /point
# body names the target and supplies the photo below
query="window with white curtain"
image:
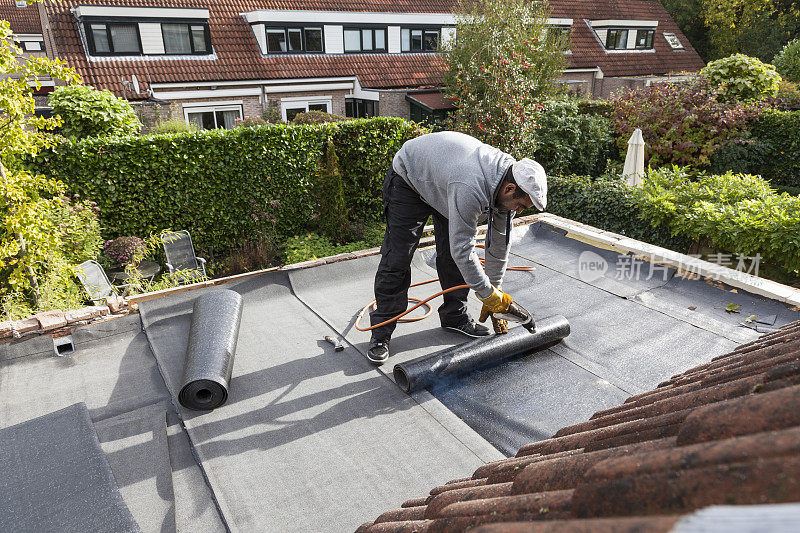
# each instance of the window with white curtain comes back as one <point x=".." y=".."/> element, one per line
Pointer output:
<point x="213" y="117"/>
<point x="176" y="39"/>
<point x="365" y="39"/>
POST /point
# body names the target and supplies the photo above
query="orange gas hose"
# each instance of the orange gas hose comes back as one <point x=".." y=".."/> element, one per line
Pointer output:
<point x="399" y="318"/>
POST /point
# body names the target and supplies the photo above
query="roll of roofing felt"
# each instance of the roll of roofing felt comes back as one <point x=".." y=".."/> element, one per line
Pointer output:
<point x="464" y="358"/>
<point x="212" y="343"/>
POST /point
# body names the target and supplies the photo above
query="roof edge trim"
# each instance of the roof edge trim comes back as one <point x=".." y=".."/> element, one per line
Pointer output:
<point x="346" y="17"/>
<point x="148" y="12"/>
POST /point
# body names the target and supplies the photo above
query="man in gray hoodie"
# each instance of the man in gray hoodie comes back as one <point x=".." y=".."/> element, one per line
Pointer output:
<point x="460" y="182"/>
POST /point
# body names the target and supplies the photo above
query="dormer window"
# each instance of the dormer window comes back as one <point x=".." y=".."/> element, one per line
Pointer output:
<point x="135" y="31"/>
<point x="625" y="35"/>
<point x="184" y="39"/>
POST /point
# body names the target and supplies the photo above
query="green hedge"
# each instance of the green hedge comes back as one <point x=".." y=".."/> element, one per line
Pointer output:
<point x="771" y="150"/>
<point x="780" y="130"/>
<point x="569" y="142"/>
<point x="739" y="213"/>
<point x="607" y="204"/>
<point x="226" y="185"/>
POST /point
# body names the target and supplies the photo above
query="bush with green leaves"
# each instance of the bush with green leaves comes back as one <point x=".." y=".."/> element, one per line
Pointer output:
<point x="780" y="131"/>
<point x="316" y="117"/>
<point x="299" y="248"/>
<point x="769" y="149"/>
<point x="606" y="203"/>
<point x="589" y="106"/>
<point x="741" y="77"/>
<point x="682" y="123"/>
<point x="569" y="142"/>
<point x="788" y="97"/>
<point x="787" y="61"/>
<point x="87" y="112"/>
<point x="172" y="125"/>
<point x="216" y="183"/>
<point x="43" y="238"/>
<point x="42" y="233"/>
<point x="739" y="213"/>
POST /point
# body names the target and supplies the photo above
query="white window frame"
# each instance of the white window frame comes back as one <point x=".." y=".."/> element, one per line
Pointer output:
<point x="295" y="102"/>
<point x="205" y="108"/>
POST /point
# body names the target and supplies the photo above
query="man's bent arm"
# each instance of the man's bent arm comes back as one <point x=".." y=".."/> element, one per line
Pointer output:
<point x="464" y="209"/>
<point x="497" y="252"/>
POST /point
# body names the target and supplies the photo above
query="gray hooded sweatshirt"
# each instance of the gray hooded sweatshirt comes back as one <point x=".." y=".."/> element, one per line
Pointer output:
<point x="457" y="175"/>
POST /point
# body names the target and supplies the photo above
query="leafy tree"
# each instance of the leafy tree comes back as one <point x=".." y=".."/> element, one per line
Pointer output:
<point x="503" y="64"/>
<point x="39" y="227"/>
<point x="87" y="112"/>
<point x="687" y="14"/>
<point x="758" y="28"/>
<point x="787" y="61"/>
<point x="740" y="77"/>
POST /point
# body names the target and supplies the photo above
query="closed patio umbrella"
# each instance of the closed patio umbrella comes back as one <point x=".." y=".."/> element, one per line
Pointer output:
<point x="634" y="161"/>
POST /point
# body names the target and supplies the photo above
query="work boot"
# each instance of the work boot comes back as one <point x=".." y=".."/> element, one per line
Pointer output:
<point x="378" y="351"/>
<point x="468" y="327"/>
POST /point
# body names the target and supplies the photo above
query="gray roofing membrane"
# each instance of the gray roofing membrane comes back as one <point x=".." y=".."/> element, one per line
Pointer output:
<point x="313" y="439"/>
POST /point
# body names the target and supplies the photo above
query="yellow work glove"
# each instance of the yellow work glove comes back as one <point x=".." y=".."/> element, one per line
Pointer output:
<point x="497" y="302"/>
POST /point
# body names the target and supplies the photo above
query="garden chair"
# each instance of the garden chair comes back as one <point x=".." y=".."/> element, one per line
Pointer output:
<point x="95" y="281"/>
<point x="181" y="259"/>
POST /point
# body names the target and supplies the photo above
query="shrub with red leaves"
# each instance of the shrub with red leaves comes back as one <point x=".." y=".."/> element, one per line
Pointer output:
<point x="682" y="123"/>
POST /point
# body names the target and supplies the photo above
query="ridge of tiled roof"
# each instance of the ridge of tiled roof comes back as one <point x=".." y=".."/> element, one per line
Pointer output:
<point x="238" y="56"/>
<point x="725" y="432"/>
<point x="22" y="19"/>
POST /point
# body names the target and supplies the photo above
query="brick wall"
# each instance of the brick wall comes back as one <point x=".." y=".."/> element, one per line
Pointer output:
<point x="151" y="113"/>
<point x="394" y="104"/>
<point x="606" y="87"/>
<point x="579" y="83"/>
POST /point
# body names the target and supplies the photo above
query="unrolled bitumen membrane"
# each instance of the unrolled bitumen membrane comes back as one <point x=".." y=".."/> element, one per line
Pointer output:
<point x="425" y="371"/>
<point x="210" y="353"/>
<point x="55" y="477"/>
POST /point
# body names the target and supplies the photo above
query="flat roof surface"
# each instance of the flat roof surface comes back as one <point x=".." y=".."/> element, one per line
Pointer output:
<point x="313" y="439"/>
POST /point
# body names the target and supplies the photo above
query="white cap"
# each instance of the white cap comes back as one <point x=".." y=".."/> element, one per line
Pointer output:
<point x="530" y="177"/>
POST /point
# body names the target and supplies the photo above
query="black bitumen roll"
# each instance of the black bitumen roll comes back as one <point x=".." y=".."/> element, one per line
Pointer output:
<point x="464" y="358"/>
<point x="212" y="344"/>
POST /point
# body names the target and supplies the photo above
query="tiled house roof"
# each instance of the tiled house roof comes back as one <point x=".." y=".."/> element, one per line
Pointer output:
<point x="238" y="56"/>
<point x="587" y="51"/>
<point x="726" y="432"/>
<point x="22" y="19"/>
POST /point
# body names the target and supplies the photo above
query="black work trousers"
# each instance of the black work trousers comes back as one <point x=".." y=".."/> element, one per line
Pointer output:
<point x="406" y="213"/>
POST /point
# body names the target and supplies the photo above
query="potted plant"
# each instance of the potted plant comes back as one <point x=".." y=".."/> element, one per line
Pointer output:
<point x="121" y="251"/>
